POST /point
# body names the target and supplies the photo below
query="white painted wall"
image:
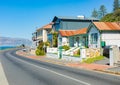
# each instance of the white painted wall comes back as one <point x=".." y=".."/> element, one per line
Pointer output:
<point x="52" y="50"/>
<point x="111" y="38"/>
<point x="93" y="29"/>
<point x="64" y="41"/>
<point x="44" y="36"/>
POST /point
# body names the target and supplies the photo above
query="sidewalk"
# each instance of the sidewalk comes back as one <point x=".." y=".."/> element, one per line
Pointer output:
<point x="74" y="64"/>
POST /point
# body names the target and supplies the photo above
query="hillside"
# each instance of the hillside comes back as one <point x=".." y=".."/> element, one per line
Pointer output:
<point x="112" y="17"/>
<point x="7" y="41"/>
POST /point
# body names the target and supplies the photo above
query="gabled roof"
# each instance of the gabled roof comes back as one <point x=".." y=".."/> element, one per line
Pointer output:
<point x="67" y="32"/>
<point x="48" y="26"/>
<point x="73" y="32"/>
<point x="107" y="26"/>
<point x="81" y="31"/>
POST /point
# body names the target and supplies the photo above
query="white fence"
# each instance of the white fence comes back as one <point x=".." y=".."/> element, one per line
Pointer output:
<point x="52" y="50"/>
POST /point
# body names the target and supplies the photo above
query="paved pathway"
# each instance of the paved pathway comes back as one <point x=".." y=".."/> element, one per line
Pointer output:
<point x="105" y="61"/>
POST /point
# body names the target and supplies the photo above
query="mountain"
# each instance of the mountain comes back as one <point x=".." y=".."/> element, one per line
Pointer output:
<point x="7" y="41"/>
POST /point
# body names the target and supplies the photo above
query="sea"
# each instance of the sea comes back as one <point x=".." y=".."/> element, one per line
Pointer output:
<point x="6" y="47"/>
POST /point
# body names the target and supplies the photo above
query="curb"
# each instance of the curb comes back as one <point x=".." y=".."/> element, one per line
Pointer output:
<point x="108" y="71"/>
<point x="63" y="64"/>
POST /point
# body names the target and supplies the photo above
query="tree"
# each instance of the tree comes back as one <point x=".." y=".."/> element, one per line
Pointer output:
<point x="112" y="17"/>
<point x="102" y="11"/>
<point x="94" y="13"/>
<point x="116" y="5"/>
<point x="55" y="40"/>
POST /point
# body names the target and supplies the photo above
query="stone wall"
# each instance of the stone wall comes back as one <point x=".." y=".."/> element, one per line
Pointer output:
<point x="92" y="52"/>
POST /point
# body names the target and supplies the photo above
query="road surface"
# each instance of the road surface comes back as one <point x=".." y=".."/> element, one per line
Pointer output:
<point x="23" y="71"/>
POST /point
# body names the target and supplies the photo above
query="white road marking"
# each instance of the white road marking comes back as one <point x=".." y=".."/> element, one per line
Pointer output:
<point x="85" y="83"/>
<point x="3" y="79"/>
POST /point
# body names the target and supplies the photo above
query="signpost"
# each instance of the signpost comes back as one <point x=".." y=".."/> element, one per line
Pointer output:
<point x="60" y="52"/>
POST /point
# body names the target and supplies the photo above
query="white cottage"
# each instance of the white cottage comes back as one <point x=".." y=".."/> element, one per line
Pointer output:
<point x="103" y="33"/>
<point x="73" y="38"/>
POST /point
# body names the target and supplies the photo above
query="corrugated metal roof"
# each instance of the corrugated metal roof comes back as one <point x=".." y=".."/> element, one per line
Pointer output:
<point x="77" y="18"/>
<point x="81" y="31"/>
<point x="73" y="18"/>
<point x="107" y="26"/>
<point x="73" y="32"/>
<point x="66" y="32"/>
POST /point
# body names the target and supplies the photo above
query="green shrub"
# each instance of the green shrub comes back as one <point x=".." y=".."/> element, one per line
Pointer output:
<point x="55" y="40"/>
<point x="40" y="46"/>
<point x="92" y="60"/>
<point x="66" y="47"/>
<point x="78" y="52"/>
<point x="39" y="52"/>
<point x="76" y="55"/>
<point x="47" y="43"/>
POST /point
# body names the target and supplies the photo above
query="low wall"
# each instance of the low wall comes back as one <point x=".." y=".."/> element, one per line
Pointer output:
<point x="92" y="52"/>
<point x="32" y="52"/>
<point x="52" y="50"/>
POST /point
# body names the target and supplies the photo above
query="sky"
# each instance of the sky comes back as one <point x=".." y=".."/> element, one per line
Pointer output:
<point x="20" y="18"/>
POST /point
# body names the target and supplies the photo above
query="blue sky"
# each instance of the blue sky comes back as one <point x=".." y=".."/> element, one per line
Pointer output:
<point x="19" y="18"/>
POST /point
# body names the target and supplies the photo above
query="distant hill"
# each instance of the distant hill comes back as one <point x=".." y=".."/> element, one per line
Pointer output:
<point x="7" y="41"/>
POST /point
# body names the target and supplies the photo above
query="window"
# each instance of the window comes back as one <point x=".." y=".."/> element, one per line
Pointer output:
<point x="39" y="33"/>
<point x="94" y="38"/>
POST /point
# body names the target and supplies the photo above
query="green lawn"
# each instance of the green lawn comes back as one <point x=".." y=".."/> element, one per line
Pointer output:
<point x="92" y="60"/>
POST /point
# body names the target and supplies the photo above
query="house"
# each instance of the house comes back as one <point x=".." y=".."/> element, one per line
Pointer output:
<point x="34" y="40"/>
<point x="42" y="33"/>
<point x="102" y="34"/>
<point x="71" y="23"/>
<point x="68" y="26"/>
<point x="73" y="38"/>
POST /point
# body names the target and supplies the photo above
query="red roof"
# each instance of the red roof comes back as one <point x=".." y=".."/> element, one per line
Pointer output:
<point x="73" y="32"/>
<point x="81" y="31"/>
<point x="48" y="26"/>
<point x="107" y="25"/>
<point x="67" y="32"/>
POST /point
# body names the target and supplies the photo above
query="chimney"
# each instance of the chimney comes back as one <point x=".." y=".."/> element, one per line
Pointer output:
<point x="81" y="17"/>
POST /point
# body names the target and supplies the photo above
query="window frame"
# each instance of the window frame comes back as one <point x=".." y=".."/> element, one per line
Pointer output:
<point x="94" y="38"/>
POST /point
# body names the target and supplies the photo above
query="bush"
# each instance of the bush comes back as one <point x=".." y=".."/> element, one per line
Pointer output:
<point x="39" y="52"/>
<point x="66" y="47"/>
<point x="47" y="43"/>
<point x="76" y="55"/>
<point x="78" y="52"/>
<point x="92" y="60"/>
<point x="55" y="40"/>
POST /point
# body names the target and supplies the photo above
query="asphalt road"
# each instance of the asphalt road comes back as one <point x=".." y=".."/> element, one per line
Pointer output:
<point x="23" y="71"/>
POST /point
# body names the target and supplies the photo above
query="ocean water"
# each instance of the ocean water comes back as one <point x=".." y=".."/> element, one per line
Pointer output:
<point x="6" y="47"/>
